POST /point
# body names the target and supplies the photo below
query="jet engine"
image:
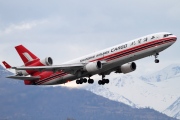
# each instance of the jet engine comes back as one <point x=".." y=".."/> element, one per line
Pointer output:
<point x="48" y="61"/>
<point x="45" y="62"/>
<point x="93" y="66"/>
<point x="126" y="68"/>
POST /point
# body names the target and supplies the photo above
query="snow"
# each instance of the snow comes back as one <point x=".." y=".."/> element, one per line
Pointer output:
<point x="170" y="71"/>
<point x="174" y="109"/>
<point x="159" y="90"/>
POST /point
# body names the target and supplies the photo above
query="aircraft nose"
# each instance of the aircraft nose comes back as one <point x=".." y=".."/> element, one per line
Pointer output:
<point x="175" y="38"/>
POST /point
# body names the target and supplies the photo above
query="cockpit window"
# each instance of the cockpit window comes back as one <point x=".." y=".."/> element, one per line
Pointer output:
<point x="166" y="35"/>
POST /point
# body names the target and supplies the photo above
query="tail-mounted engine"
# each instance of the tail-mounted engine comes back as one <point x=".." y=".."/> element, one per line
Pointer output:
<point x="45" y="62"/>
<point x="48" y="61"/>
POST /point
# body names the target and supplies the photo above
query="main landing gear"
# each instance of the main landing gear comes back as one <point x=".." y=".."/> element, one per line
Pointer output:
<point x="84" y="80"/>
<point x="103" y="81"/>
<point x="156" y="56"/>
<point x="91" y="81"/>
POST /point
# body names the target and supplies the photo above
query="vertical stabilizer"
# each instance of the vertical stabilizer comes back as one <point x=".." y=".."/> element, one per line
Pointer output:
<point x="26" y="55"/>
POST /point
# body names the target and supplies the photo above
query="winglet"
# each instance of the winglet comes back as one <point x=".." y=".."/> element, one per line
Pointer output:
<point x="6" y="65"/>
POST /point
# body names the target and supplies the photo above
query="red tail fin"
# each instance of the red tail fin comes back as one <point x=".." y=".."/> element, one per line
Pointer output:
<point x="25" y="54"/>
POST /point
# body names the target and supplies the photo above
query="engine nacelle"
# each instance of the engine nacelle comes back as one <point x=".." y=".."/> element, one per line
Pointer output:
<point x="48" y="61"/>
<point x="93" y="66"/>
<point x="128" y="67"/>
<point x="45" y="62"/>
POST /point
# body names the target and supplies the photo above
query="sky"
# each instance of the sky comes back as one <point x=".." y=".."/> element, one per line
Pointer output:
<point x="67" y="29"/>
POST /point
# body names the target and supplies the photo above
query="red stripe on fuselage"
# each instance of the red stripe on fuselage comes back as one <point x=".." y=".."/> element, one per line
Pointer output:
<point x="130" y="49"/>
<point x="53" y="76"/>
<point x="136" y="50"/>
<point x="119" y="54"/>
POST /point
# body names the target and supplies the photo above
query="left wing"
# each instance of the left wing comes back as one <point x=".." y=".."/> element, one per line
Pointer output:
<point x="54" y="68"/>
<point x="68" y="68"/>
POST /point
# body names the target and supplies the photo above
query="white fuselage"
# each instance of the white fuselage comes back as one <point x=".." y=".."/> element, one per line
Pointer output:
<point x="116" y="56"/>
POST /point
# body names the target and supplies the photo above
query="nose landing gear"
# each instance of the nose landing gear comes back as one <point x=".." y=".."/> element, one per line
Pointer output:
<point x="156" y="56"/>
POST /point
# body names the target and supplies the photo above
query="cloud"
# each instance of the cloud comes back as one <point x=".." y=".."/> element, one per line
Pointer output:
<point x="20" y="27"/>
<point x="69" y="29"/>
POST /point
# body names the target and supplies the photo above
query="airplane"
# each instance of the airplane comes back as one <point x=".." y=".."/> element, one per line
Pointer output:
<point x="118" y="59"/>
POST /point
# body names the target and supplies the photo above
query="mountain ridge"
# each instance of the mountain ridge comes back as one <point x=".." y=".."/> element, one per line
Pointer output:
<point x="173" y="109"/>
<point x="163" y="74"/>
<point x="153" y="93"/>
<point x="21" y="102"/>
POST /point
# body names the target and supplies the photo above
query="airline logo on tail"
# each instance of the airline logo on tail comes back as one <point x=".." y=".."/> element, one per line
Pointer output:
<point x="28" y="57"/>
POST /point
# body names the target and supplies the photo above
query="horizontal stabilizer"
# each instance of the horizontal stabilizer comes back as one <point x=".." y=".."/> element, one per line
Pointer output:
<point x="6" y="64"/>
<point x="23" y="77"/>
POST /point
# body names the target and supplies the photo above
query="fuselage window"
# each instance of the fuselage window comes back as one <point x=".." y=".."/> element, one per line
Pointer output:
<point x="152" y="37"/>
<point x="145" y="39"/>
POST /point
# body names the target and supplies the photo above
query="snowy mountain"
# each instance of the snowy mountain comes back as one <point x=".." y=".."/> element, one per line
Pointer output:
<point x="170" y="71"/>
<point x="158" y="91"/>
<point x="21" y="102"/>
<point x="174" y="109"/>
